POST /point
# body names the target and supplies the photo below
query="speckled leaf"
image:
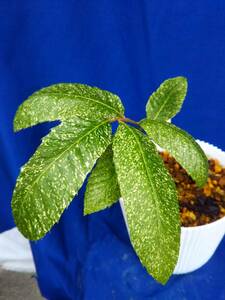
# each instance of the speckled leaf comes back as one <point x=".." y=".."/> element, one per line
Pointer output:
<point x="167" y="100"/>
<point x="150" y="201"/>
<point x="55" y="173"/>
<point x="182" y="147"/>
<point x="102" y="188"/>
<point x="63" y="101"/>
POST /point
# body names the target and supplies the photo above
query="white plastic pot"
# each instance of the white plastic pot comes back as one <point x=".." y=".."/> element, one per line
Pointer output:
<point x="198" y="244"/>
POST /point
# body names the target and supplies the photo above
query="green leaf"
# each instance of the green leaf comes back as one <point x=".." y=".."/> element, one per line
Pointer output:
<point x="167" y="100"/>
<point x="150" y="201"/>
<point x="55" y="173"/>
<point x="102" y="189"/>
<point x="182" y="147"/>
<point x="63" y="101"/>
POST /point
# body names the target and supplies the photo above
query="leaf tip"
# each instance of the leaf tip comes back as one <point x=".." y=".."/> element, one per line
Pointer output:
<point x="183" y="81"/>
<point x="161" y="277"/>
<point x="18" y="119"/>
<point x="16" y="126"/>
<point x="202" y="181"/>
<point x="86" y="212"/>
<point x="163" y="281"/>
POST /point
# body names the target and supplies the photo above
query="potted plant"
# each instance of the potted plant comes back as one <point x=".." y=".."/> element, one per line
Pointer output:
<point x="126" y="165"/>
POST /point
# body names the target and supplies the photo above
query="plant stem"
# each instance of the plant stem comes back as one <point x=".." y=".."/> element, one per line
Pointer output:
<point x="124" y="119"/>
<point x="127" y="120"/>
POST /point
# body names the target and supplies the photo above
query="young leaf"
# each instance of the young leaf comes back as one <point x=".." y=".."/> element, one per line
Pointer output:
<point x="150" y="201"/>
<point x="63" y="101"/>
<point x="55" y="173"/>
<point x="167" y="100"/>
<point x="182" y="147"/>
<point x="102" y="188"/>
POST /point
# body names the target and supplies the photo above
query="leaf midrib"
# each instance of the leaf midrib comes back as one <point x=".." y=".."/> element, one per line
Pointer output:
<point x="29" y="188"/>
<point x="165" y="102"/>
<point x="87" y="98"/>
<point x="155" y="197"/>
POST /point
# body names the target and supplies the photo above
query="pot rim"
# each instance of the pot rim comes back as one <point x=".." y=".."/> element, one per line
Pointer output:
<point x="204" y="226"/>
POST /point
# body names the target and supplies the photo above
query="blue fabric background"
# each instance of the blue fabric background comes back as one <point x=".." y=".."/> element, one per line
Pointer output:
<point x="127" y="47"/>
